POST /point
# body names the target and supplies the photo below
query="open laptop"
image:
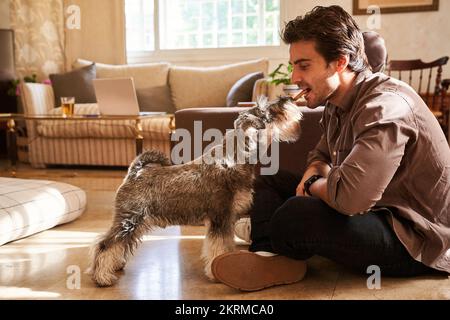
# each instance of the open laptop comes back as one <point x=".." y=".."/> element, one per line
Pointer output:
<point x="117" y="96"/>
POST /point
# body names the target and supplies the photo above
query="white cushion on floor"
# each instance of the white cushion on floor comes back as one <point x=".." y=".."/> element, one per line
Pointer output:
<point x="30" y="206"/>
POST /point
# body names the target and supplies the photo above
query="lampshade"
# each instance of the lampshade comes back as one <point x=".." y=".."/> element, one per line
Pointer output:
<point x="7" y="71"/>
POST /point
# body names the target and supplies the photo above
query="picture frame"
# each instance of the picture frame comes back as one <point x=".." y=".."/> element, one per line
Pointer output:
<point x="395" y="6"/>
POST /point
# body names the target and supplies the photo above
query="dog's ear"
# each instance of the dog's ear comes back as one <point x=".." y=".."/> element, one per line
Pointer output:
<point x="243" y="115"/>
<point x="258" y="123"/>
<point x="257" y="112"/>
<point x="261" y="101"/>
<point x="276" y="110"/>
<point x="247" y="120"/>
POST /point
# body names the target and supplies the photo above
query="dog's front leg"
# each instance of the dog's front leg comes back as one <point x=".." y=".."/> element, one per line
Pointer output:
<point x="218" y="240"/>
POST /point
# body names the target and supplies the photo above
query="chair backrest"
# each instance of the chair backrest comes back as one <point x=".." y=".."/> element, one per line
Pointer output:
<point x="409" y="69"/>
<point x="375" y="49"/>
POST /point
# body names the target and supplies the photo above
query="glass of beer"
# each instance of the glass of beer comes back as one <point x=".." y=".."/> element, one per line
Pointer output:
<point x="67" y="106"/>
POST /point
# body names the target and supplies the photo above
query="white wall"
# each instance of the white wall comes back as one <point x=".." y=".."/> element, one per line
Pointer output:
<point x="421" y="35"/>
<point x="4" y="14"/>
<point x="424" y="35"/>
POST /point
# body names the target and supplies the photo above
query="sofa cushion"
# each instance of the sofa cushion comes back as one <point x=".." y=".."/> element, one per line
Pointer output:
<point x="242" y="90"/>
<point x="155" y="99"/>
<point x="264" y="87"/>
<point x="197" y="87"/>
<point x="30" y="206"/>
<point x="75" y="83"/>
<point x="145" y="75"/>
<point x="156" y="127"/>
<point x="150" y="80"/>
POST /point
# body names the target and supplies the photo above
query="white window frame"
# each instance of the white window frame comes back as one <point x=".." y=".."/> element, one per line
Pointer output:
<point x="209" y="55"/>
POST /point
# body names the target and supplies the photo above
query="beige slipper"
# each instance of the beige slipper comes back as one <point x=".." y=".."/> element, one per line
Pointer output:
<point x="248" y="271"/>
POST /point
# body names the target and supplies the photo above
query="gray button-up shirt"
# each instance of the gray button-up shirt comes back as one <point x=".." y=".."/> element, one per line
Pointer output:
<point x="386" y="149"/>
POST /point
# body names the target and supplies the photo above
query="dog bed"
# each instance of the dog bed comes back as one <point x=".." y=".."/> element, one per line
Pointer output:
<point x="30" y="206"/>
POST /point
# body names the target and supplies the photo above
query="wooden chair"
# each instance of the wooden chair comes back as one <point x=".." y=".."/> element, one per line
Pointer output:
<point x="429" y="84"/>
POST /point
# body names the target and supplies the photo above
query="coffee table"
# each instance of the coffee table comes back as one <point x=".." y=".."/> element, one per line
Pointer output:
<point x="11" y="118"/>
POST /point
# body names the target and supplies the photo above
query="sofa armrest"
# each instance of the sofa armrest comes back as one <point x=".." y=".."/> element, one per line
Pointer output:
<point x="37" y="98"/>
<point x="221" y="118"/>
<point x="293" y="156"/>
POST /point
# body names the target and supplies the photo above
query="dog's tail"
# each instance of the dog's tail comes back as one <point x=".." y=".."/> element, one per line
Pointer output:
<point x="151" y="157"/>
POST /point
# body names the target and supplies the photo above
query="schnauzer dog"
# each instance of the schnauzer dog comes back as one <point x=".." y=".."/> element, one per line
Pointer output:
<point x="213" y="189"/>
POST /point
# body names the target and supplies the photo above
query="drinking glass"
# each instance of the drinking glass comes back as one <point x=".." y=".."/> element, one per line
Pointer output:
<point x="67" y="106"/>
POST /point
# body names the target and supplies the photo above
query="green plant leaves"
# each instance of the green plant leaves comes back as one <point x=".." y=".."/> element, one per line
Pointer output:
<point x="281" y="74"/>
<point x="12" y="90"/>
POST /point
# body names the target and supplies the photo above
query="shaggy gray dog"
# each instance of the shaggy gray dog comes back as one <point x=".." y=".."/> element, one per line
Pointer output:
<point x="213" y="189"/>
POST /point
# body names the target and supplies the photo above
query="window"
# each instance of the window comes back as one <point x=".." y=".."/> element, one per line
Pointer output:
<point x="196" y="24"/>
<point x="140" y="25"/>
<point x="193" y="24"/>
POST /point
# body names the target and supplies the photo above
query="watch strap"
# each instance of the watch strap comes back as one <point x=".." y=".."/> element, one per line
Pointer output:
<point x="310" y="181"/>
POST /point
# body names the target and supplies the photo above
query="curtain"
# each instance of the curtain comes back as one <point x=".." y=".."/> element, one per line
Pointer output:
<point x="38" y="38"/>
<point x="101" y="34"/>
<point x="46" y="42"/>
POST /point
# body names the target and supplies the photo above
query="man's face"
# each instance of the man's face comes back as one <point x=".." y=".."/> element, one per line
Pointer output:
<point x="311" y="71"/>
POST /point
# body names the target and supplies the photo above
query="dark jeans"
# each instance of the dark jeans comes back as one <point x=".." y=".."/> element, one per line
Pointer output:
<point x="300" y="227"/>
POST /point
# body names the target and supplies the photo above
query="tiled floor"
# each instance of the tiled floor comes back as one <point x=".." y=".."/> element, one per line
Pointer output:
<point x="166" y="265"/>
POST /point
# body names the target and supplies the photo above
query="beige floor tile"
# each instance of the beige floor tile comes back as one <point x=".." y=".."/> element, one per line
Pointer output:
<point x="166" y="265"/>
<point x="417" y="288"/>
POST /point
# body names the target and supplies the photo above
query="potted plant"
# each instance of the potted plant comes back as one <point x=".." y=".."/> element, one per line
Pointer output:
<point x="282" y="76"/>
<point x="14" y="85"/>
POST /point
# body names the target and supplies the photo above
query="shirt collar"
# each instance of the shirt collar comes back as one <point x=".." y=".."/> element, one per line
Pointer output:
<point x="352" y="93"/>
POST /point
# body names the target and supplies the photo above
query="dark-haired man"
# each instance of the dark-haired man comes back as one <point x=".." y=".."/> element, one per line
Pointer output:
<point x="377" y="187"/>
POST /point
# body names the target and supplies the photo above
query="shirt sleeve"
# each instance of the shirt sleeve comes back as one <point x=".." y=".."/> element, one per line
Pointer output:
<point x="358" y="183"/>
<point x="320" y="152"/>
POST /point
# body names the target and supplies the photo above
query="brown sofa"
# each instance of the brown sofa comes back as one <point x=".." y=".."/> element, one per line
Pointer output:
<point x="292" y="156"/>
<point x="159" y="86"/>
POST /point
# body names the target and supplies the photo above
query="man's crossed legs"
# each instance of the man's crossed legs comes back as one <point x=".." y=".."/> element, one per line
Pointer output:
<point x="296" y="228"/>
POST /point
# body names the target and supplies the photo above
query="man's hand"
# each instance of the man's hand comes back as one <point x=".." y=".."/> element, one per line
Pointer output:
<point x="317" y="167"/>
<point x="300" y="191"/>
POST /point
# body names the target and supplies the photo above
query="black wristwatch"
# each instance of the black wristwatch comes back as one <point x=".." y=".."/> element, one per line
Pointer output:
<point x="310" y="181"/>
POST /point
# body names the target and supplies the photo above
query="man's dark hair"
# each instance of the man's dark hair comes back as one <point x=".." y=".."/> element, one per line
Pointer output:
<point x="334" y="32"/>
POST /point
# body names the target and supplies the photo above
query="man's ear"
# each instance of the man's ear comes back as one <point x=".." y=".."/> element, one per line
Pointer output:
<point x="342" y="63"/>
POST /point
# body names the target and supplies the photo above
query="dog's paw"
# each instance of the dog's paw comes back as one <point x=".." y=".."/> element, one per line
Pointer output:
<point x="104" y="279"/>
<point x="208" y="272"/>
<point x="121" y="265"/>
<point x="209" y="275"/>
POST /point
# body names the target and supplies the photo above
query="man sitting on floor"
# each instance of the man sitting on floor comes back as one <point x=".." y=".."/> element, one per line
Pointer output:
<point x="377" y="187"/>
